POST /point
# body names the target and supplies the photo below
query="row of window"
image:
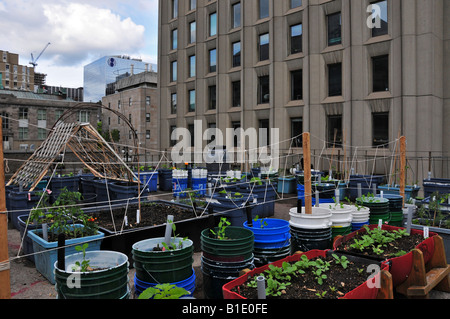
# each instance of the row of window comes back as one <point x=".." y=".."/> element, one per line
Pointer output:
<point x="380" y="83"/>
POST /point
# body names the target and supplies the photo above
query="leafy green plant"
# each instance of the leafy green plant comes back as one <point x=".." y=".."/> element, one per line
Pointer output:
<point x="173" y="246"/>
<point x="343" y="261"/>
<point x="275" y="288"/>
<point x="322" y="294"/>
<point x="82" y="266"/>
<point x="164" y="291"/>
<point x="221" y="229"/>
<point x="262" y="220"/>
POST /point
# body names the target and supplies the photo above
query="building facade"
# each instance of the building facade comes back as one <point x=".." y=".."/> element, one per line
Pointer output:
<point x="136" y="98"/>
<point x="353" y="73"/>
<point x="13" y="75"/>
<point x="106" y="70"/>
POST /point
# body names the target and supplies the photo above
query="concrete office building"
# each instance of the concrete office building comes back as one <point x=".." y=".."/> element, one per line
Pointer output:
<point x="346" y="74"/>
<point x="136" y="98"/>
<point x="13" y="75"/>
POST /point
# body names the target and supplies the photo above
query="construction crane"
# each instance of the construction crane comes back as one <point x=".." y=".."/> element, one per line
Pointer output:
<point x="34" y="61"/>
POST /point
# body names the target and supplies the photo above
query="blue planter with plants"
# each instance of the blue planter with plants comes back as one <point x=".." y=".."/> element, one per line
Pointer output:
<point x="367" y="184"/>
<point x="70" y="182"/>
<point x="410" y="191"/>
<point x="233" y="206"/>
<point x="21" y="203"/>
<point x="436" y="185"/>
<point x="265" y="191"/>
<point x="123" y="192"/>
<point x="46" y="253"/>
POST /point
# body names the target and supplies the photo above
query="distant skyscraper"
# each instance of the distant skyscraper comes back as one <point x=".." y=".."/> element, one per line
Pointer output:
<point x="106" y="70"/>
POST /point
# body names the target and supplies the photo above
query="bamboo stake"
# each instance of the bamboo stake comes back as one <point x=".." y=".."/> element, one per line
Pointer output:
<point x="5" y="283"/>
<point x="402" y="167"/>
<point x="307" y="172"/>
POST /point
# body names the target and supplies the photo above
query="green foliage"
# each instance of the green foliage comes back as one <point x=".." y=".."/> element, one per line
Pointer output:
<point x="164" y="291"/>
<point x="82" y="266"/>
<point x="173" y="246"/>
<point x="343" y="261"/>
<point x="263" y="221"/>
<point x="220" y="234"/>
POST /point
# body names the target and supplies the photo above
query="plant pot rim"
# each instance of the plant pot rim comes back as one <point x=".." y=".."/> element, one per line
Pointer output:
<point x="79" y="256"/>
<point x="159" y="240"/>
<point x="32" y="233"/>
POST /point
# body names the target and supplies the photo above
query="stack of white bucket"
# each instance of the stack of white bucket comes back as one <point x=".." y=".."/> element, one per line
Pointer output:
<point x="179" y="182"/>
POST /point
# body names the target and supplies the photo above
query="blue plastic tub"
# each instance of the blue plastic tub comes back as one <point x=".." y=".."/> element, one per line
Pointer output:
<point x="433" y="185"/>
<point x="234" y="209"/>
<point x="367" y="184"/>
<point x="357" y="226"/>
<point x="410" y="191"/>
<point x="21" y="203"/>
<point x="165" y="180"/>
<point x="179" y="187"/>
<point x="274" y="234"/>
<point x="149" y="180"/>
<point x="188" y="284"/>
<point x="301" y="195"/>
<point x="200" y="185"/>
<point x="286" y="185"/>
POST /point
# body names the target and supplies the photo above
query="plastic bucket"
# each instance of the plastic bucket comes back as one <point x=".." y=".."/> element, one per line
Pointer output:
<point x="149" y="180"/>
<point x="20" y="203"/>
<point x="310" y="239"/>
<point x="109" y="283"/>
<point x="216" y="274"/>
<point x="319" y="219"/>
<point x="266" y="256"/>
<point x="121" y="192"/>
<point x="103" y="191"/>
<point x="238" y="247"/>
<point x="188" y="284"/>
<point x="162" y="266"/>
<point x="274" y="234"/>
<point x="200" y="185"/>
<point x="341" y="231"/>
<point x="179" y="187"/>
<point x="358" y="226"/>
<point x="165" y="180"/>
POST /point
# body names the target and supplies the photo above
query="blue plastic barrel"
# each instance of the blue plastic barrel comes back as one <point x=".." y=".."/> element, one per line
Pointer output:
<point x="200" y="185"/>
<point x="274" y="234"/>
<point x="179" y="187"/>
<point x="188" y="284"/>
<point x="149" y="180"/>
<point x="358" y="226"/>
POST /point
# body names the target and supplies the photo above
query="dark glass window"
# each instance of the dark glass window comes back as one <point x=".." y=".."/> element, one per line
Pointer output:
<point x="236" y="93"/>
<point x="212" y="60"/>
<point x="380" y="18"/>
<point x="237" y="15"/>
<point x="212" y="24"/>
<point x="193" y="32"/>
<point x="264" y="47"/>
<point x="192" y="66"/>
<point x="334" y="29"/>
<point x="296" y="3"/>
<point x="236" y="54"/>
<point x="334" y="134"/>
<point x="297" y="85"/>
<point x="263" y="9"/>
<point x="192" y="101"/>
<point x="173" y="71"/>
<point x="263" y="90"/>
<point x="380" y="71"/>
<point x="264" y="133"/>
<point x="174" y="39"/>
<point x="380" y="129"/>
<point x="173" y="104"/>
<point x="212" y="97"/>
<point x="296" y="38"/>
<point x="174" y="9"/>
<point x="191" y="129"/>
<point x="173" y="142"/>
<point x="335" y="79"/>
<point x="296" y="131"/>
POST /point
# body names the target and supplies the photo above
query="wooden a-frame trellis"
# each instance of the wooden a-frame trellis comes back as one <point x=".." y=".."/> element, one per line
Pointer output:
<point x="86" y="143"/>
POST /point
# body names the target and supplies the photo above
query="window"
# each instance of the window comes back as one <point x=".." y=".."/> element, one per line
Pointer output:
<point x="335" y="79"/>
<point x="263" y="9"/>
<point x="174" y="39"/>
<point x="193" y="32"/>
<point x="148" y="100"/>
<point x="192" y="66"/>
<point x="380" y="73"/>
<point x="212" y="97"/>
<point x="174" y="9"/>
<point x="191" y="129"/>
<point x="334" y="133"/>
<point x="58" y="114"/>
<point x="83" y="117"/>
<point x="296" y="38"/>
<point x="173" y="103"/>
<point x="263" y="90"/>
<point x="212" y="133"/>
<point x="147" y="134"/>
<point x="264" y="47"/>
<point x="173" y="71"/>
<point x="119" y="104"/>
<point x="23" y="133"/>
<point x="192" y="101"/>
<point x="212" y="60"/>
<point x="42" y="115"/>
<point x="296" y="3"/>
<point x="236" y="54"/>
<point x="236" y="93"/>
<point x="5" y="120"/>
<point x="296" y="132"/>
<point x="264" y="133"/>
<point x="380" y="18"/>
<point x="237" y="136"/>
<point x="192" y="4"/>
<point x="23" y="113"/>
<point x="297" y="85"/>
<point x="334" y="29"/>
<point x="42" y="133"/>
<point x="147" y="117"/>
<point x="380" y="129"/>
<point x="212" y="24"/>
<point x="236" y="15"/>
<point x="130" y="101"/>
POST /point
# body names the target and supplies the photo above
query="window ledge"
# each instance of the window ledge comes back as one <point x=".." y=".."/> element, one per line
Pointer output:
<point x="235" y="109"/>
<point x="210" y="112"/>
<point x="379" y="95"/>
<point x="333" y="48"/>
<point x="262" y="63"/>
<point x="378" y="39"/>
<point x="262" y="106"/>
<point x="295" y="103"/>
<point x="295" y="56"/>
<point x="333" y="99"/>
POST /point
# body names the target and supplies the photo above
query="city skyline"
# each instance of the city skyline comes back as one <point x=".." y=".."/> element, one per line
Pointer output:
<point x="80" y="32"/>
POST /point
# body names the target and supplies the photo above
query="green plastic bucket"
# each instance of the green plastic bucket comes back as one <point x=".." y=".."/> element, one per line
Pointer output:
<point x="110" y="282"/>
<point x="238" y="247"/>
<point x="163" y="266"/>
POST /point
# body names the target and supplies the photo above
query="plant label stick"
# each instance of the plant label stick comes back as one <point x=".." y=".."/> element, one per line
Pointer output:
<point x="426" y="232"/>
<point x="409" y="220"/>
<point x="380" y="223"/>
<point x="138" y="217"/>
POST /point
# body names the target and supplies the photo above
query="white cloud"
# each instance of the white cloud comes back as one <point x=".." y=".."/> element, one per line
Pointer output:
<point x="79" y="31"/>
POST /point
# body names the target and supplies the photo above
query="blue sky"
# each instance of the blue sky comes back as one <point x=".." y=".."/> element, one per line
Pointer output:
<point x="79" y="31"/>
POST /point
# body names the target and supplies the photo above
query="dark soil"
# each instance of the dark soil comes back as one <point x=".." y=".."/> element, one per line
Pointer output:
<point x="339" y="282"/>
<point x="405" y="244"/>
<point x="152" y="214"/>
